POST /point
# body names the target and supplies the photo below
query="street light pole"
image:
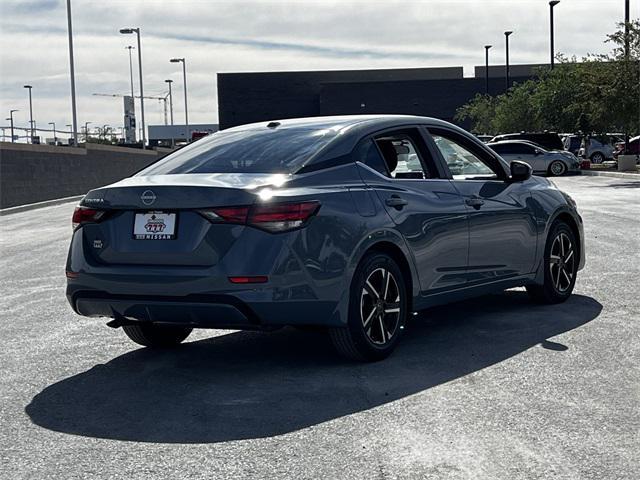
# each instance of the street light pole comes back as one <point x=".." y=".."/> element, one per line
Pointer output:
<point x="626" y="28"/>
<point x="11" y="118"/>
<point x="86" y="131"/>
<point x="552" y="4"/>
<point x="73" y="77"/>
<point x="29" y="87"/>
<point x="55" y="140"/>
<point x="506" y="72"/>
<point x="169" y="82"/>
<point x="130" y="67"/>
<point x="486" y="68"/>
<point x="137" y="32"/>
<point x="184" y="77"/>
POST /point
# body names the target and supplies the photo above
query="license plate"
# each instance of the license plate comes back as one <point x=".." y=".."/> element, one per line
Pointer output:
<point x="154" y="226"/>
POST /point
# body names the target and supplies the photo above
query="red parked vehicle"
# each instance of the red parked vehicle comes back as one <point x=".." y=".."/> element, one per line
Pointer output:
<point x="634" y="147"/>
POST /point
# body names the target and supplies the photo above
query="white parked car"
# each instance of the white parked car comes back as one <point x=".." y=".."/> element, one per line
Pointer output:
<point x="554" y="162"/>
<point x="598" y="149"/>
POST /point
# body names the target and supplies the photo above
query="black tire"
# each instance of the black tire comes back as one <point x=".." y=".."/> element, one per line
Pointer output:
<point x="156" y="336"/>
<point x="597" y="157"/>
<point x="557" y="168"/>
<point x="557" y="286"/>
<point x="385" y="325"/>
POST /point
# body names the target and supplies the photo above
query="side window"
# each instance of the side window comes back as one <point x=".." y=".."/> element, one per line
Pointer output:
<point x="463" y="164"/>
<point x="503" y="149"/>
<point x="367" y="153"/>
<point x="526" y="149"/>
<point x="402" y="155"/>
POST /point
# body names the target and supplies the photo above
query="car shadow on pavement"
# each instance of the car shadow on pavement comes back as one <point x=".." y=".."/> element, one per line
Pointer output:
<point x="251" y="385"/>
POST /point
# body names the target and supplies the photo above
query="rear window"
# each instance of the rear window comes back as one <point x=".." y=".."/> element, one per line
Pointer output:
<point x="248" y="151"/>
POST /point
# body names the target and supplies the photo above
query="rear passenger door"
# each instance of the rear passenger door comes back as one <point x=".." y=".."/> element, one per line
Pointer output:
<point x="502" y="223"/>
<point x="426" y="209"/>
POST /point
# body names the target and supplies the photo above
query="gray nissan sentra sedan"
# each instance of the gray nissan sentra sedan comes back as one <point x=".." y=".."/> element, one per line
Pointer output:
<point x="350" y="223"/>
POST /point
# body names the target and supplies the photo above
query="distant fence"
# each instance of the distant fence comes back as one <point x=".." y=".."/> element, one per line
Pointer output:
<point x="35" y="173"/>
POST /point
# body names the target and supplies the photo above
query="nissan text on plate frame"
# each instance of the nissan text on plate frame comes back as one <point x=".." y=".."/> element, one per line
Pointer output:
<point x="349" y="223"/>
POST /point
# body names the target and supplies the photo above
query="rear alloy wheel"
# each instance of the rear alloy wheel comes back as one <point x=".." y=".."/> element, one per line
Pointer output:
<point x="597" y="157"/>
<point x="560" y="266"/>
<point x="557" y="168"/>
<point x="156" y="336"/>
<point x="377" y="310"/>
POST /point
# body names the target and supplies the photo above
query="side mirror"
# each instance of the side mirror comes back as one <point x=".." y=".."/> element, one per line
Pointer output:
<point x="537" y="152"/>
<point x="520" y="171"/>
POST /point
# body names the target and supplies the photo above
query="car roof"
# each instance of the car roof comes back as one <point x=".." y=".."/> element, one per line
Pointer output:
<point x="339" y="122"/>
<point x="511" y="142"/>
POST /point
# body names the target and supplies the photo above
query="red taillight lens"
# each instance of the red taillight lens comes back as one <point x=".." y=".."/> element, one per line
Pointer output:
<point x="254" y="279"/>
<point x="278" y="217"/>
<point x="86" y="215"/>
<point x="231" y="214"/>
<point x="282" y="217"/>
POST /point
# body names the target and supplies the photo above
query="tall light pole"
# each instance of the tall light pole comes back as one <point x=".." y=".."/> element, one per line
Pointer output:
<point x="129" y="47"/>
<point x="137" y="32"/>
<point x="55" y="142"/>
<point x="626" y="28"/>
<point x="486" y="68"/>
<point x="552" y="4"/>
<point x="11" y="119"/>
<point x="169" y="82"/>
<point x="29" y="87"/>
<point x="184" y="76"/>
<point x="506" y="71"/>
<point x="73" y="76"/>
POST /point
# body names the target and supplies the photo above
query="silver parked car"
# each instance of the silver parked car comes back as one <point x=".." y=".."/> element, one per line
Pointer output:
<point x="598" y="148"/>
<point x="554" y="162"/>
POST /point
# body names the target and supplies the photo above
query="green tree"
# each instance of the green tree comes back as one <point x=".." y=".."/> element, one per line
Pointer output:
<point x="598" y="94"/>
<point x="481" y="111"/>
<point x="515" y="111"/>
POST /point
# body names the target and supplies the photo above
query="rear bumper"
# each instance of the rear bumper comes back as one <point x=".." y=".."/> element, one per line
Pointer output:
<point x="249" y="309"/>
<point x="214" y="311"/>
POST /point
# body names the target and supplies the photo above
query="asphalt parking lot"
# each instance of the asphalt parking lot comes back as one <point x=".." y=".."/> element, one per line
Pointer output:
<point x="491" y="388"/>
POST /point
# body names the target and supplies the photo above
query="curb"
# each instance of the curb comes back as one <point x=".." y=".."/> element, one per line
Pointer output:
<point x="595" y="173"/>
<point x="33" y="206"/>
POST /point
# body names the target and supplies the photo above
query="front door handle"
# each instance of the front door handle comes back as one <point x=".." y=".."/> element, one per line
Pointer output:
<point x="475" y="202"/>
<point x="396" y="202"/>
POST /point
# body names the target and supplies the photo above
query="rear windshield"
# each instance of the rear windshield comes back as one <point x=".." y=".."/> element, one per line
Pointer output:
<point x="248" y="151"/>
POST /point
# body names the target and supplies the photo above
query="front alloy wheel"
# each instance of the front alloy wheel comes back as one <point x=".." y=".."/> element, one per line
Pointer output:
<point x="560" y="266"/>
<point x="562" y="263"/>
<point x="377" y="310"/>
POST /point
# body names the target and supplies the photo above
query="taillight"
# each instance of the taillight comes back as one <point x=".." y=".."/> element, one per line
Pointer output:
<point x="278" y="217"/>
<point x="282" y="217"/>
<point x="226" y="214"/>
<point x="83" y="215"/>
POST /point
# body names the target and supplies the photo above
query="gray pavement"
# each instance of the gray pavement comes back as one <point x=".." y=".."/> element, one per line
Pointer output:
<point x="494" y="388"/>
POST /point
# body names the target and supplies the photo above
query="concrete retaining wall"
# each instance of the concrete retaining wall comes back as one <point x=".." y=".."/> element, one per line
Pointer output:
<point x="34" y="173"/>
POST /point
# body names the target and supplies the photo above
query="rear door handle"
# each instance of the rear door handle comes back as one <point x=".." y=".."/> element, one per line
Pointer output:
<point x="475" y="202"/>
<point x="396" y="202"/>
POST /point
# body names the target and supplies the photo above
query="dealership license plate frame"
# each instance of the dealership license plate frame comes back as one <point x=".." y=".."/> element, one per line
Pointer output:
<point x="141" y="220"/>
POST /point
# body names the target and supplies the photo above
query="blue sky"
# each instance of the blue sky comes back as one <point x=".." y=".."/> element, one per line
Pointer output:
<point x="217" y="36"/>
